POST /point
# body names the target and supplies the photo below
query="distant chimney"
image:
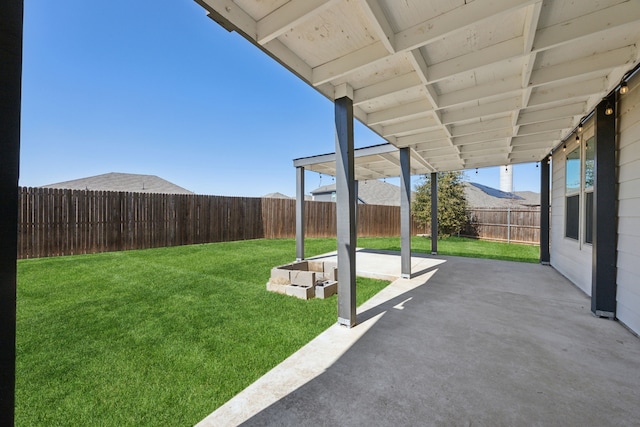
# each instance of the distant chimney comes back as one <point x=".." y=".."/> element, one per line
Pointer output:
<point x="506" y="179"/>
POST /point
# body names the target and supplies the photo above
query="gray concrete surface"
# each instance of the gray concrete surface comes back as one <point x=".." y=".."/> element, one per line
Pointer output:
<point x="468" y="342"/>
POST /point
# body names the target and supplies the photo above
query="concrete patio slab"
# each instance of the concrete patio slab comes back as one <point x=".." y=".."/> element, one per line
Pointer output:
<point x="467" y="342"/>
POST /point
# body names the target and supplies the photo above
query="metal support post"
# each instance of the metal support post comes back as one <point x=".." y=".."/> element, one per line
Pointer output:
<point x="434" y="213"/>
<point x="405" y="212"/>
<point x="299" y="213"/>
<point x="345" y="212"/>
<point x="11" y="13"/>
<point x="545" y="257"/>
<point x="603" y="275"/>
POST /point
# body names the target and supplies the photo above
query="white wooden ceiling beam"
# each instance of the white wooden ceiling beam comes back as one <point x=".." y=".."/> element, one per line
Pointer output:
<point x="558" y="124"/>
<point x="288" y="16"/>
<point x="481" y="126"/>
<point x="444" y="159"/>
<point x="623" y="13"/>
<point x="487" y="90"/>
<point x="349" y="63"/>
<point x="417" y="158"/>
<point x="485" y="154"/>
<point x="439" y="152"/>
<point x="406" y="111"/>
<point x="410" y="126"/>
<point x="486" y="145"/>
<point x="449" y="166"/>
<point x="381" y="26"/>
<point x="416" y="59"/>
<point x="293" y="61"/>
<point x="480" y="58"/>
<point x="432" y="145"/>
<point x="582" y="66"/>
<point x="454" y="20"/>
<point x="535" y="138"/>
<point x="385" y="88"/>
<point x="504" y="106"/>
<point x="575" y="109"/>
<point x="579" y="89"/>
<point x="482" y="136"/>
<point x="436" y="137"/>
<point x="531" y="25"/>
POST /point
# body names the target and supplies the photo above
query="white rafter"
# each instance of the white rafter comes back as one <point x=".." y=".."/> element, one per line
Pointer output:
<point x="380" y="23"/>
<point x="289" y="15"/>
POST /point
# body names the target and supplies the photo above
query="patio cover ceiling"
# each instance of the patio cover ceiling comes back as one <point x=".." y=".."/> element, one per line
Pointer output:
<point x="463" y="83"/>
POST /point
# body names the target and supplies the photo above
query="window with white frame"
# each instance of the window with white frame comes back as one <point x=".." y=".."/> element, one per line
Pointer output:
<point x="589" y="169"/>
<point x="579" y="180"/>
<point x="572" y="194"/>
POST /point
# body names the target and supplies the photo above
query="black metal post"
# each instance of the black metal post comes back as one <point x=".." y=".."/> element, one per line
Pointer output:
<point x="11" y="12"/>
<point x="434" y="213"/>
<point x="405" y="213"/>
<point x="605" y="214"/>
<point x="545" y="257"/>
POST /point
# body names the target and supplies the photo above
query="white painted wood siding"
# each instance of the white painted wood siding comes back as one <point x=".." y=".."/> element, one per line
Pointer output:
<point x="570" y="257"/>
<point x="628" y="295"/>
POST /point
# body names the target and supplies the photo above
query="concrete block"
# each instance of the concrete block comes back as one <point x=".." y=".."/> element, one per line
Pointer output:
<point x="317" y="266"/>
<point x="300" y="265"/>
<point x="303" y="278"/>
<point x="326" y="288"/>
<point x="302" y="292"/>
<point x="280" y="275"/>
<point x="280" y="288"/>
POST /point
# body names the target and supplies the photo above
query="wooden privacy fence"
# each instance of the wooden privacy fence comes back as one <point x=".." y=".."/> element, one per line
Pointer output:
<point x="65" y="222"/>
<point x="55" y="222"/>
<point x="515" y="225"/>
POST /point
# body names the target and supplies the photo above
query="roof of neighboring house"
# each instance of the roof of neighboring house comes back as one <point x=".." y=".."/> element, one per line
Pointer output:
<point x="371" y="192"/>
<point x="481" y="196"/>
<point x="375" y="192"/>
<point x="276" y="196"/>
<point x="127" y="182"/>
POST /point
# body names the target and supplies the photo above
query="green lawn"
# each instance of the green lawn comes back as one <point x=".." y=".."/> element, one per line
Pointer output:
<point x="165" y="336"/>
<point x="156" y="337"/>
<point x="459" y="246"/>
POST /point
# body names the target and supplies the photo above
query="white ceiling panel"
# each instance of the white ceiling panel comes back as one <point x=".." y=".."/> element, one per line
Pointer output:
<point x="462" y="83"/>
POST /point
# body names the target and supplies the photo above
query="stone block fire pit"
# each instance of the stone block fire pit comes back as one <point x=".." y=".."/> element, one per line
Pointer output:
<point x="305" y="279"/>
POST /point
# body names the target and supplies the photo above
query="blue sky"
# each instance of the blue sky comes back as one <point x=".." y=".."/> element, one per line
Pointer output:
<point x="156" y="87"/>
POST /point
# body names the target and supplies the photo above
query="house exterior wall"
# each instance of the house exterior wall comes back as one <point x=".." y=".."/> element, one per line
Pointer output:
<point x="570" y="257"/>
<point x="628" y="264"/>
<point x="573" y="258"/>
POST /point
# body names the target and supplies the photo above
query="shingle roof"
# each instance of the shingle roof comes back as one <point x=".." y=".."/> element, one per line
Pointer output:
<point x="126" y="182"/>
<point x="481" y="196"/>
<point x="371" y="192"/>
<point x="276" y="196"/>
<point x="375" y="192"/>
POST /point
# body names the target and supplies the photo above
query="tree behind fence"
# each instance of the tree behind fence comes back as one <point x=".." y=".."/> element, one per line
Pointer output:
<point x="55" y="222"/>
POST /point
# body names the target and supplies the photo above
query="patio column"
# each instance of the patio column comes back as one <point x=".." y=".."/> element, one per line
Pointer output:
<point x="405" y="212"/>
<point x="10" y="89"/>
<point x="603" y="274"/>
<point x="299" y="213"/>
<point x="356" y="189"/>
<point x="345" y="206"/>
<point x="545" y="257"/>
<point x="434" y="213"/>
